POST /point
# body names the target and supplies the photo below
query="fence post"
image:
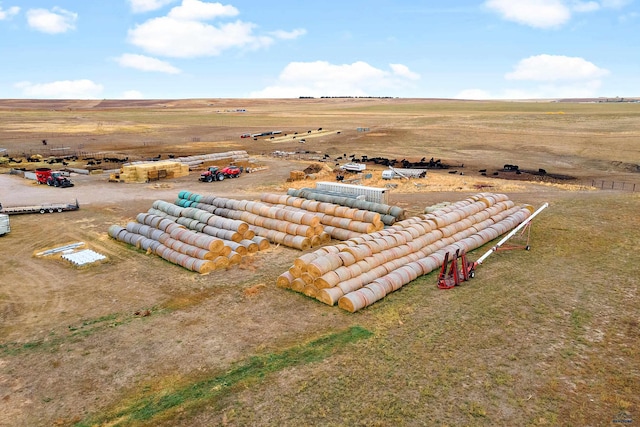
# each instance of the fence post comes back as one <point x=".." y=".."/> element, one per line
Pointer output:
<point x="612" y="184"/>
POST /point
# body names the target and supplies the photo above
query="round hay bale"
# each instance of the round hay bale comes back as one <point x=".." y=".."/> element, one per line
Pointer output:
<point x="252" y="247"/>
<point x="352" y="302"/>
<point x="284" y="280"/>
<point x="298" y="285"/>
<point x="327" y="280"/>
<point x="234" y="258"/>
<point x="263" y="243"/>
<point x="329" y="296"/>
<point x="324" y="264"/>
<point x="308" y="278"/>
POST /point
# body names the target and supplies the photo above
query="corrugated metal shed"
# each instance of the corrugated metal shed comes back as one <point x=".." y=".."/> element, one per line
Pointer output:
<point x="373" y="194"/>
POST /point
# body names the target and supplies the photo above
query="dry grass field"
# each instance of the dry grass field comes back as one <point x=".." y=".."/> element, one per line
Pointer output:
<point x="541" y="337"/>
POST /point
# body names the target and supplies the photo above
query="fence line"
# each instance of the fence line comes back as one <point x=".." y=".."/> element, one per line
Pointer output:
<point x="615" y="185"/>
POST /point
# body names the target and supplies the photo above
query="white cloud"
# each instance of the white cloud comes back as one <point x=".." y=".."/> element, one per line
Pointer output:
<point x="55" y="21"/>
<point x="190" y="39"/>
<point x="589" y="6"/>
<point x="183" y="32"/>
<point x="140" y="6"/>
<point x="534" y="13"/>
<point x="8" y="13"/>
<point x="321" y="78"/>
<point x="64" y="89"/>
<point x="289" y="35"/>
<point x="547" y="77"/>
<point x="146" y="63"/>
<point x="403" y="71"/>
<point x="555" y="67"/>
<point x="132" y="94"/>
<point x="548" y="13"/>
<point x="196" y="10"/>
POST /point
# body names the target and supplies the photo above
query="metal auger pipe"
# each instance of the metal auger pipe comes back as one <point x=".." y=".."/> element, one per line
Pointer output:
<point x="508" y="236"/>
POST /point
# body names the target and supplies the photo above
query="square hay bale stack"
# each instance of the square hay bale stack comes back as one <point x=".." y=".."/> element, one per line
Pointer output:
<point x="296" y="175"/>
<point x="143" y="171"/>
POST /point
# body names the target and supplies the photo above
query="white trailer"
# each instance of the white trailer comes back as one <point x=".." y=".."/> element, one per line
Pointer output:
<point x="403" y="173"/>
<point x="354" y="167"/>
<point x="4" y="224"/>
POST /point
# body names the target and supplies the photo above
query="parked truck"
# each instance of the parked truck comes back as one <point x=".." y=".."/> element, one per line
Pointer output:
<point x="52" y="178"/>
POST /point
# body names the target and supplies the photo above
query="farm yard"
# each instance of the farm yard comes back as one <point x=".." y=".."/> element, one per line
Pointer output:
<point x="540" y="337"/>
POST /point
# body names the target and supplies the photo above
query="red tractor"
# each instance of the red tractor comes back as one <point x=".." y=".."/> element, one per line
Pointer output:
<point x="214" y="173"/>
<point x="52" y="178"/>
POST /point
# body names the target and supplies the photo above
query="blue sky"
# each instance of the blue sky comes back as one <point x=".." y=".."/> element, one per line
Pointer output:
<point x="471" y="49"/>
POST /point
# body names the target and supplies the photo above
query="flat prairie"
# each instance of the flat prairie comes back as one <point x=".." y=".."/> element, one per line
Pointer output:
<point x="541" y="337"/>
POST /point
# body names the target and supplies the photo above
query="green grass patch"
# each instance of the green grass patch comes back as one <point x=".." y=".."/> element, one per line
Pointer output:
<point x="83" y="329"/>
<point x="161" y="404"/>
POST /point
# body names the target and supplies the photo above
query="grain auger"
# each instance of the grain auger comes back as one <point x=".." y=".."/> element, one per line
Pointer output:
<point x="460" y="270"/>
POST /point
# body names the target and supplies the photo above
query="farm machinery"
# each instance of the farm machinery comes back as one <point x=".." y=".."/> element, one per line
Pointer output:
<point x="214" y="173"/>
<point x="52" y="178"/>
<point x="459" y="269"/>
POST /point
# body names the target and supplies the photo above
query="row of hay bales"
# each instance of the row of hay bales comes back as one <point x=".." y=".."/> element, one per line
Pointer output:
<point x="363" y="270"/>
<point x="299" y="222"/>
<point x="340" y="221"/>
<point x="389" y="214"/>
<point x="289" y="221"/>
<point x="194" y="239"/>
<point x="299" y="230"/>
<point x="215" y="159"/>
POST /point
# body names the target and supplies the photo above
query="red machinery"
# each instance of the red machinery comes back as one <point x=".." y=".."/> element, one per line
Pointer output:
<point x="53" y="178"/>
<point x="214" y="173"/>
<point x="457" y="274"/>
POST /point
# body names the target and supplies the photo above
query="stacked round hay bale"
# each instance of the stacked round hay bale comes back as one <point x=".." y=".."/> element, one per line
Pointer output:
<point x="174" y="243"/>
<point x="340" y="222"/>
<point x="388" y="214"/>
<point x="299" y="230"/>
<point x="235" y="234"/>
<point x="192" y="238"/>
<point x="363" y="270"/>
<point x="214" y="158"/>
